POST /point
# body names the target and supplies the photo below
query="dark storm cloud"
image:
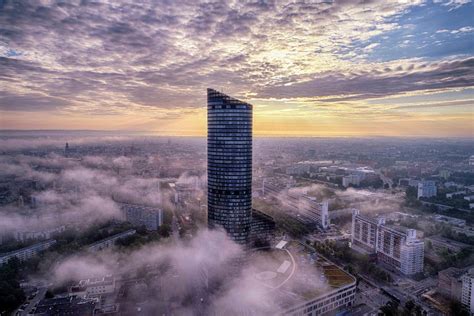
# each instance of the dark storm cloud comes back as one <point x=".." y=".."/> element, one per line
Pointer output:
<point x="163" y="54"/>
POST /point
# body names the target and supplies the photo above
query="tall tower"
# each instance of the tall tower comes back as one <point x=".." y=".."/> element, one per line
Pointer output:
<point x="229" y="165"/>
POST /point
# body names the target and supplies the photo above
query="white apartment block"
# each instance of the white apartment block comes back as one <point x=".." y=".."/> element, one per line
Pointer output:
<point x="426" y="189"/>
<point x="467" y="294"/>
<point x="353" y="179"/>
<point x="309" y="210"/>
<point x="27" y="252"/>
<point x="398" y="249"/>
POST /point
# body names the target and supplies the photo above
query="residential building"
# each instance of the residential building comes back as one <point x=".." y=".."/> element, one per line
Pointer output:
<point x="467" y="296"/>
<point x="140" y="215"/>
<point x="110" y="241"/>
<point x="24" y="235"/>
<point x="450" y="220"/>
<point x="426" y="189"/>
<point x="27" y="252"/>
<point x="395" y="247"/>
<point x="229" y="152"/>
<point x="450" y="282"/>
<point x="353" y="179"/>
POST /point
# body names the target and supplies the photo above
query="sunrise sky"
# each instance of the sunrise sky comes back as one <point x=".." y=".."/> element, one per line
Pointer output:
<point x="311" y="68"/>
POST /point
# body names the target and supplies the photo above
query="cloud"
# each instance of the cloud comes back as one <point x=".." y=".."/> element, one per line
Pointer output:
<point x="163" y="54"/>
<point x="380" y="81"/>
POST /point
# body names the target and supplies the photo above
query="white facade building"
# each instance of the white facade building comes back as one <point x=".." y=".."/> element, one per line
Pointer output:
<point x="27" y="252"/>
<point x="396" y="248"/>
<point x="427" y="189"/>
<point x="353" y="179"/>
<point x="467" y="295"/>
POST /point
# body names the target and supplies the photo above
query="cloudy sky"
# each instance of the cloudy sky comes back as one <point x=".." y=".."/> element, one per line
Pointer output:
<point x="311" y="68"/>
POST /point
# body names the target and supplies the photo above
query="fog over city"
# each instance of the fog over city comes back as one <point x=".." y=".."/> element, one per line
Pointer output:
<point x="76" y="190"/>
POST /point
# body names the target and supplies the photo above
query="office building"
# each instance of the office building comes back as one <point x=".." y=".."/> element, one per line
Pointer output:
<point x="395" y="247"/>
<point x="27" y="252"/>
<point x="229" y="163"/>
<point x="426" y="189"/>
<point x="467" y="296"/>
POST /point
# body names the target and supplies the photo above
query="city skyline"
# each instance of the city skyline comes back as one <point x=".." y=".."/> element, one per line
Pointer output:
<point x="310" y="69"/>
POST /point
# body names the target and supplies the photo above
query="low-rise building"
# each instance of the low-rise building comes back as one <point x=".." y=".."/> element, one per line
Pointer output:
<point x="469" y="198"/>
<point x="450" y="220"/>
<point x="69" y="305"/>
<point x="110" y="241"/>
<point x="93" y="287"/>
<point x="439" y="244"/>
<point x="24" y="235"/>
<point x="454" y="194"/>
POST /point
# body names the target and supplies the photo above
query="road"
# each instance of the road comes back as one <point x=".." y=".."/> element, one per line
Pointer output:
<point x="34" y="301"/>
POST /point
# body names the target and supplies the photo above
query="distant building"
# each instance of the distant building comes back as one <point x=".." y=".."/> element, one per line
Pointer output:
<point x="27" y="252"/>
<point x="353" y="179"/>
<point x="427" y="189"/>
<point x="450" y="220"/>
<point x="394" y="247"/>
<point x="68" y="305"/>
<point x="440" y="244"/>
<point x="110" y="241"/>
<point x="66" y="150"/>
<point x="467" y="297"/>
<point x="450" y="282"/>
<point x="298" y="169"/>
<point x="38" y="234"/>
<point x="140" y="215"/>
<point x="308" y="209"/>
<point x="445" y="174"/>
<point x="90" y="288"/>
<point x="469" y="198"/>
<point x="453" y="194"/>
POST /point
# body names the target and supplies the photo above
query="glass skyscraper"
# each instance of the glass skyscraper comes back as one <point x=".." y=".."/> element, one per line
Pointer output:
<point x="229" y="165"/>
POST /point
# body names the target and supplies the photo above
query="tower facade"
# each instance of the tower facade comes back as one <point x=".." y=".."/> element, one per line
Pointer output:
<point x="229" y="165"/>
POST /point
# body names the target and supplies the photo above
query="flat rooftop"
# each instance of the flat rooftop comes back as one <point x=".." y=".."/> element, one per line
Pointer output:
<point x="296" y="274"/>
